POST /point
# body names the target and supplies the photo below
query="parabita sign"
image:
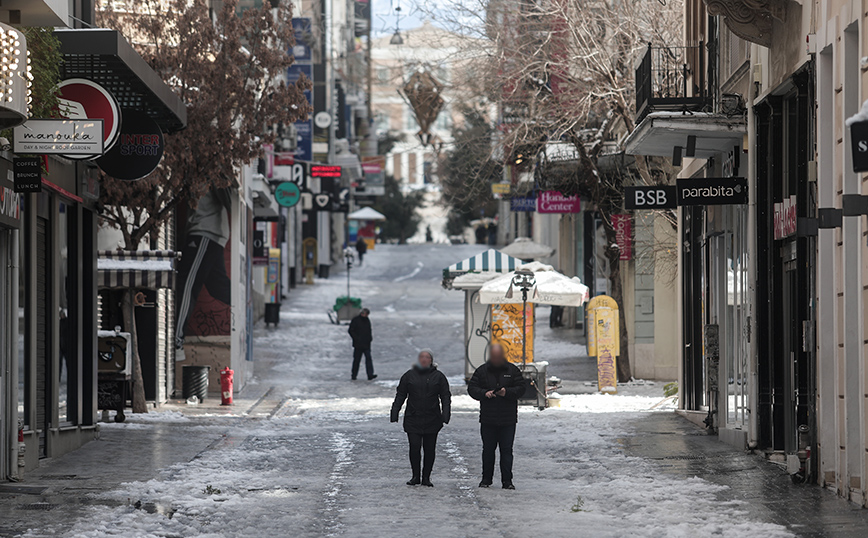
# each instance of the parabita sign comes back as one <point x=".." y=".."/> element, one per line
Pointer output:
<point x="712" y="191"/>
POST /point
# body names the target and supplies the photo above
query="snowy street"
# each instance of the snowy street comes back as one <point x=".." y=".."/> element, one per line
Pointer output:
<point x="307" y="452"/>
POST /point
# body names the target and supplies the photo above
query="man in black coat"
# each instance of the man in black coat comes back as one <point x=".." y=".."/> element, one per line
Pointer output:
<point x="429" y="407"/>
<point x="360" y="331"/>
<point x="497" y="385"/>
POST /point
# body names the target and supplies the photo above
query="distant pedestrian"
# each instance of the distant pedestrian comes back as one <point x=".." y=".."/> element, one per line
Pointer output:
<point x="497" y="385"/>
<point x="362" y="335"/>
<point x="361" y="248"/>
<point x="429" y="407"/>
<point x="481" y="235"/>
<point x="429" y="235"/>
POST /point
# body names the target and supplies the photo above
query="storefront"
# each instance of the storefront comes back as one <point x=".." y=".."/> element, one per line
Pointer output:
<point x="786" y="253"/>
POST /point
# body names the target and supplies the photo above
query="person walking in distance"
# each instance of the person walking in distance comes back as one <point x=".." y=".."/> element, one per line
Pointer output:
<point x="429" y="407"/>
<point x="361" y="248"/>
<point x="497" y="385"/>
<point x="362" y="335"/>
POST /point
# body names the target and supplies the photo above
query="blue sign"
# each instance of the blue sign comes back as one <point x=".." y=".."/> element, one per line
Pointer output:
<point x="302" y="30"/>
<point x="522" y="203"/>
<point x="302" y="66"/>
<point x="303" y="127"/>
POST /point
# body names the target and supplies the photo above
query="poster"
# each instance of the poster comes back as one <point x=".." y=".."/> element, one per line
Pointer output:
<point x="506" y="330"/>
<point x="604" y="340"/>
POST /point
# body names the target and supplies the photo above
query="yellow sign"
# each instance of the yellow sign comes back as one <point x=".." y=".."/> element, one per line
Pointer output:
<point x="506" y="330"/>
<point x="500" y="188"/>
<point x="604" y="340"/>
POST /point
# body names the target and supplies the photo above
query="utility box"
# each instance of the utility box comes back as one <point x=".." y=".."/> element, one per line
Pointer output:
<point x="535" y="376"/>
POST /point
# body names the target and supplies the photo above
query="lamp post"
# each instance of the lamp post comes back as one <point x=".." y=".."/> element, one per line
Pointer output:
<point x="525" y="281"/>
<point x="348" y="255"/>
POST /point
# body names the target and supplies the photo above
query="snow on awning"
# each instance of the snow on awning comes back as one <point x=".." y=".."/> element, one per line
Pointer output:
<point x="491" y="260"/>
<point x="147" y="269"/>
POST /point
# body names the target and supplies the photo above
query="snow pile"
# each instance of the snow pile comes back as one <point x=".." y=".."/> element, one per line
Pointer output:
<point x="862" y="115"/>
<point x="614" y="403"/>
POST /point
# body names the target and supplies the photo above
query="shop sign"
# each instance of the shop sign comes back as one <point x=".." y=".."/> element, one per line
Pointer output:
<point x="81" y="138"/>
<point x="323" y="170"/>
<point x="712" y="191"/>
<point x="785" y="219"/>
<point x="522" y="203"/>
<point x="27" y="174"/>
<point x="604" y="341"/>
<point x="656" y="197"/>
<point x="322" y="201"/>
<point x="138" y="150"/>
<point x="287" y="194"/>
<point x="82" y="99"/>
<point x="500" y="188"/>
<point x="623" y="225"/>
<point x="555" y="202"/>
<point x="859" y="145"/>
<point x="10" y="206"/>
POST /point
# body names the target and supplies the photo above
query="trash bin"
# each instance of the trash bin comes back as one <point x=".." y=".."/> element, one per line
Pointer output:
<point x="272" y="313"/>
<point x="194" y="382"/>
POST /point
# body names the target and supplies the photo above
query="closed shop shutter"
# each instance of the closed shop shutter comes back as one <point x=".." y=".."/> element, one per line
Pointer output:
<point x="43" y="336"/>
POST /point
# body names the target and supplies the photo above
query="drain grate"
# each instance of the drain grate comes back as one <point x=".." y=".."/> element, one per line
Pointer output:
<point x="60" y="477"/>
<point x="687" y="457"/>
<point x="37" y="506"/>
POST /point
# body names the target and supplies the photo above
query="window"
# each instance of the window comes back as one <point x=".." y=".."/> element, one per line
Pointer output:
<point x="383" y="76"/>
<point x="410" y="121"/>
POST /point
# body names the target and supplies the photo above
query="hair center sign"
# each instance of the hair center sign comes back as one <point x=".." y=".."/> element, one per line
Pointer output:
<point x="555" y="202"/>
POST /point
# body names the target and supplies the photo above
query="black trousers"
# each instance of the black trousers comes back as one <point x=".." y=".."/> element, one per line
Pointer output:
<point x="202" y="264"/>
<point x="494" y="436"/>
<point x="418" y="442"/>
<point x="357" y="359"/>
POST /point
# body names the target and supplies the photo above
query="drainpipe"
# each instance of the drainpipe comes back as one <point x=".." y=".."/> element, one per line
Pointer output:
<point x="12" y="356"/>
<point x="752" y="433"/>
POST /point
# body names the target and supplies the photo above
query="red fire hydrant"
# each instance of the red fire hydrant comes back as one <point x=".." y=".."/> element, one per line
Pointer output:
<point x="226" y="376"/>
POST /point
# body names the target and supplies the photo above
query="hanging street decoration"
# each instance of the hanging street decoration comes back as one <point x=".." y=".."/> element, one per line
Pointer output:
<point x="423" y="92"/>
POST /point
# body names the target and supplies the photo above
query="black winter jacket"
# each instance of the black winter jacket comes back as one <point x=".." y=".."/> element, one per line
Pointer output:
<point x="360" y="331"/>
<point x="425" y="391"/>
<point x="500" y="410"/>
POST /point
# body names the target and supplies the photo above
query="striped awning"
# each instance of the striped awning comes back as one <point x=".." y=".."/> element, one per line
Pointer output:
<point x="142" y="269"/>
<point x="489" y="261"/>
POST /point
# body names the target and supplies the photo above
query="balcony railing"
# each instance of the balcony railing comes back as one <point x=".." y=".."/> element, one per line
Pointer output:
<point x="671" y="78"/>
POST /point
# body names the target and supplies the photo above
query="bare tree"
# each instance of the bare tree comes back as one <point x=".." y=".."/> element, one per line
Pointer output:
<point x="229" y="71"/>
<point x="562" y="72"/>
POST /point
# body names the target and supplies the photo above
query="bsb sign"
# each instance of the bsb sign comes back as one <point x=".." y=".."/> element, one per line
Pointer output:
<point x="705" y="191"/>
<point x="656" y="197"/>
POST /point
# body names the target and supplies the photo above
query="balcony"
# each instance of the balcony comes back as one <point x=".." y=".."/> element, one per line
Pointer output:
<point x="671" y="79"/>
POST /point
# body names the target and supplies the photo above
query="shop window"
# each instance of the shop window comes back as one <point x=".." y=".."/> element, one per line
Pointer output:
<point x="23" y="371"/>
<point x="67" y="369"/>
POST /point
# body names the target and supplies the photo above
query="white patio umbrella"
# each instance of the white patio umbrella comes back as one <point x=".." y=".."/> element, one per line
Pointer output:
<point x="525" y="248"/>
<point x="550" y="287"/>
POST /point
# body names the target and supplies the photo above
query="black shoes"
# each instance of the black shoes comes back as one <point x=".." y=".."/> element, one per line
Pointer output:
<point x="414" y="481"/>
<point x="508" y="486"/>
<point x="485" y="483"/>
<point x="373" y="377"/>
<point x="427" y="482"/>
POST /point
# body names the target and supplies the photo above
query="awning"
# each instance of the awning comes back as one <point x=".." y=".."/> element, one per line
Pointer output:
<point x="105" y="57"/>
<point x="143" y="269"/>
<point x="660" y="132"/>
<point x="366" y="213"/>
<point x="491" y="262"/>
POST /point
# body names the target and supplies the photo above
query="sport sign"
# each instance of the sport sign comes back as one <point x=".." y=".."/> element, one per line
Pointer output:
<point x="287" y="194"/>
<point x="139" y="148"/>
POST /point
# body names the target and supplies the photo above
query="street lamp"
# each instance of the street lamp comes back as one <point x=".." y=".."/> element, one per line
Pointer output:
<point x="348" y="255"/>
<point x="525" y="281"/>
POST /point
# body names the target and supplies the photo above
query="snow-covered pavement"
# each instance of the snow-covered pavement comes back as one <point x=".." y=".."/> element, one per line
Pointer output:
<point x="326" y="461"/>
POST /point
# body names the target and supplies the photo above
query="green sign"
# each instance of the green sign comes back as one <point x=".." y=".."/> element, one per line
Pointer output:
<point x="287" y="194"/>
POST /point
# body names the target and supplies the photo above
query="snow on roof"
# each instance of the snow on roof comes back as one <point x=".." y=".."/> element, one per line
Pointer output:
<point x="104" y="264"/>
<point x="366" y="213"/>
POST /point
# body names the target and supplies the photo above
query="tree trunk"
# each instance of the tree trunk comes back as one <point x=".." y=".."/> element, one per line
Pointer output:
<point x="625" y="373"/>
<point x="139" y="403"/>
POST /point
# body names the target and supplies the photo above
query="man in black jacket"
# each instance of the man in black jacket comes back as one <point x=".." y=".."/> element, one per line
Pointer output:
<point x="497" y="385"/>
<point x="360" y="331"/>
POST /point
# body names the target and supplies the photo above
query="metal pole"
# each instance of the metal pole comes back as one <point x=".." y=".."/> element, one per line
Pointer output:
<point x="524" y="327"/>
